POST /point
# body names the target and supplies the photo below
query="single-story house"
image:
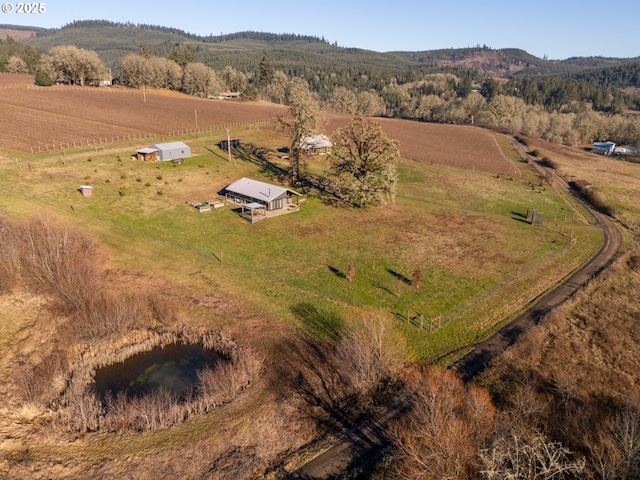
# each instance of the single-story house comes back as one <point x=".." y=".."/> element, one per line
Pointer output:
<point x="164" y="151"/>
<point x="603" y="148"/>
<point x="315" y="144"/>
<point x="247" y="191"/>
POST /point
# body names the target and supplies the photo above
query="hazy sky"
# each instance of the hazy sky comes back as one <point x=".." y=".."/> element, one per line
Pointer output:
<point x="559" y="29"/>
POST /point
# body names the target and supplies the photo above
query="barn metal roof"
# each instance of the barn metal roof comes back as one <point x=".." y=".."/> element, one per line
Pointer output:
<point x="169" y="146"/>
<point x="258" y="190"/>
<point x="315" y="141"/>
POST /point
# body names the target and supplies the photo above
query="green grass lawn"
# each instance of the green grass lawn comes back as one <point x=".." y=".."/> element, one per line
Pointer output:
<point x="480" y="261"/>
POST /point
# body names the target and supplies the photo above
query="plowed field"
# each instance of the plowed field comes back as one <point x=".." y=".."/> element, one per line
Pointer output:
<point x="460" y="146"/>
<point x="60" y="116"/>
<point x="37" y="119"/>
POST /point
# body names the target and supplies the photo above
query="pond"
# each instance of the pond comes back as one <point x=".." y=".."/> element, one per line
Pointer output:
<point x="173" y="368"/>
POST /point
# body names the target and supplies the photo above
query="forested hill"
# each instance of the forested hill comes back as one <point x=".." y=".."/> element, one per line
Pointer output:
<point x="300" y="55"/>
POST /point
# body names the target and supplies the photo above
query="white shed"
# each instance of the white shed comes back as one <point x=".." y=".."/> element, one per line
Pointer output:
<point x="172" y="150"/>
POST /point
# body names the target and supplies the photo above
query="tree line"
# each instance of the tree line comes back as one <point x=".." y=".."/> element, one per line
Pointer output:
<point x="570" y="109"/>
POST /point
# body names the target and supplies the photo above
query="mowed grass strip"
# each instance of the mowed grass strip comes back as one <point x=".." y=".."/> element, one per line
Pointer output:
<point x="464" y="229"/>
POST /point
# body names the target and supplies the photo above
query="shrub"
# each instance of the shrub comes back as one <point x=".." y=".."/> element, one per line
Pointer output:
<point x="547" y="162"/>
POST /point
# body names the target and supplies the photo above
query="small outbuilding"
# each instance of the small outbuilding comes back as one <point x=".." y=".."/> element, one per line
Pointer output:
<point x="603" y="148"/>
<point x="86" y="190"/>
<point x="147" y="154"/>
<point x="315" y="145"/>
<point x="230" y="144"/>
<point x="581" y="185"/>
<point x="164" y="151"/>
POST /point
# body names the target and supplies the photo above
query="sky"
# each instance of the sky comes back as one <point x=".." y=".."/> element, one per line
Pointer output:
<point x="556" y="29"/>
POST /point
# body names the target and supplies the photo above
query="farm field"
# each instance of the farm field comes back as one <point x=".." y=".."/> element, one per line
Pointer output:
<point x="39" y="119"/>
<point x="36" y="120"/>
<point x="459" y="146"/>
<point x="457" y="217"/>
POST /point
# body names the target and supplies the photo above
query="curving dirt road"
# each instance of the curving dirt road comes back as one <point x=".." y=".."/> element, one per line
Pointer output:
<point x="364" y="442"/>
<point x="484" y="351"/>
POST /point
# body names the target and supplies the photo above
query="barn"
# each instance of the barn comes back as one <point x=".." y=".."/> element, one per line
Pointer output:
<point x="164" y="151"/>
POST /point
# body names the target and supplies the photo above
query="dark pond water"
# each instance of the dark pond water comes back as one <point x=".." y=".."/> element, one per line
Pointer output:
<point x="173" y="368"/>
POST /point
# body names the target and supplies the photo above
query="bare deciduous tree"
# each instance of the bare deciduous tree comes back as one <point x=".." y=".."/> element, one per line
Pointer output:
<point x="535" y="458"/>
<point x="370" y="356"/>
<point x="444" y="429"/>
<point x="200" y="80"/>
<point x="304" y="110"/>
<point x="63" y="264"/>
<point x="417" y="278"/>
<point x="625" y="431"/>
<point x="76" y="65"/>
<point x="363" y="164"/>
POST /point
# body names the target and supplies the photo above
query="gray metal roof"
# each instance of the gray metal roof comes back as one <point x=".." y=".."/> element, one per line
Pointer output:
<point x="258" y="190"/>
<point x="169" y="146"/>
<point x="315" y="141"/>
<point x="147" y="150"/>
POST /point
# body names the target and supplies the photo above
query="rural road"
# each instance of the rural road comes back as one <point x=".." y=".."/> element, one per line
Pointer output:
<point x="483" y="352"/>
<point x="365" y="441"/>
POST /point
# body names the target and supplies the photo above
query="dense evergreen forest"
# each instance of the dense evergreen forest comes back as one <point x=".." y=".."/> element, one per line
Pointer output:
<point x="564" y="101"/>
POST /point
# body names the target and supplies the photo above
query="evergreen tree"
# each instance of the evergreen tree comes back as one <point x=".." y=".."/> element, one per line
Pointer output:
<point x="43" y="79"/>
<point x="266" y="71"/>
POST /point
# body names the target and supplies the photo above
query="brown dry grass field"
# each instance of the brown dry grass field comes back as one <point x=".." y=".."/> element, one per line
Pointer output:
<point x="614" y="181"/>
<point x="459" y="212"/>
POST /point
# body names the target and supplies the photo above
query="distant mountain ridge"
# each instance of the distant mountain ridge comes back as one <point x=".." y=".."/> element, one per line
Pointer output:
<point x="296" y="54"/>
